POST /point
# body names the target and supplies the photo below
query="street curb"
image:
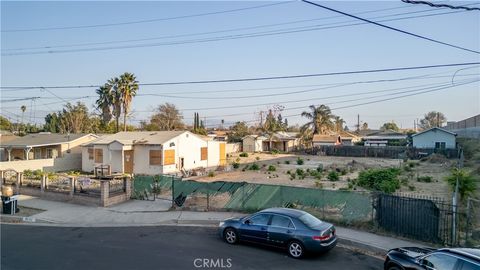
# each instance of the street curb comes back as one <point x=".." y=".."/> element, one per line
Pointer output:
<point x="362" y="245"/>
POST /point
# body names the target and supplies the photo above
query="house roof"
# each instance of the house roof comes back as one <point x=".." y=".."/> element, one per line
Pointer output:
<point x="256" y="137"/>
<point x="284" y="136"/>
<point x="40" y="139"/>
<point x="325" y="138"/>
<point x="386" y="135"/>
<point x="435" y="129"/>
<point x="140" y="137"/>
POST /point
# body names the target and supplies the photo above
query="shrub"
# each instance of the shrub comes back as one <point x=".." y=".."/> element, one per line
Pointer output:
<point x="384" y="180"/>
<point x="243" y="154"/>
<point x="257" y="158"/>
<point x="300" y="161"/>
<point x="425" y="179"/>
<point x="254" y="167"/>
<point x="211" y="174"/>
<point x="333" y="176"/>
<point x="36" y="174"/>
<point x="288" y="172"/>
<point x="411" y="188"/>
<point x="300" y="171"/>
<point x="264" y="165"/>
<point x="343" y="171"/>
<point x="272" y="168"/>
<point x="320" y="168"/>
<point x="407" y="168"/>
<point x="313" y="173"/>
<point x="236" y="165"/>
<point x="237" y="159"/>
<point x="278" y="162"/>
<point x="350" y="186"/>
<point x="274" y="152"/>
<point x="287" y="161"/>
<point x="466" y="182"/>
<point x="318" y="184"/>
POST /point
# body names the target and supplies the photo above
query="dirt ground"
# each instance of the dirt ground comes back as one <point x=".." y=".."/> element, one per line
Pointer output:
<point x="347" y="168"/>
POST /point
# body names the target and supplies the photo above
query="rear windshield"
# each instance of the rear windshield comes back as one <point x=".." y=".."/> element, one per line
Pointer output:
<point x="310" y="221"/>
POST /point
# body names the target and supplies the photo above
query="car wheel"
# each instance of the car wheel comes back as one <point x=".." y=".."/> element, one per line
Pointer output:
<point x="394" y="267"/>
<point x="230" y="235"/>
<point x="296" y="249"/>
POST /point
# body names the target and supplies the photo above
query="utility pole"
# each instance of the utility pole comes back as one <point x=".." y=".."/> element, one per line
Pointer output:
<point x="358" y="122"/>
<point x="455" y="201"/>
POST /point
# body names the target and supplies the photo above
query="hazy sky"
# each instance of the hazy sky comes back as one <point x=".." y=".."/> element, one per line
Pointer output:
<point x="169" y="51"/>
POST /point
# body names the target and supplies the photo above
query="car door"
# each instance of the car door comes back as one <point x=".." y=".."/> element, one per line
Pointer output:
<point x="440" y="261"/>
<point x="280" y="230"/>
<point x="254" y="228"/>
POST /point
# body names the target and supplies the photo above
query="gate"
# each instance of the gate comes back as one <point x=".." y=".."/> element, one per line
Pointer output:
<point x="415" y="218"/>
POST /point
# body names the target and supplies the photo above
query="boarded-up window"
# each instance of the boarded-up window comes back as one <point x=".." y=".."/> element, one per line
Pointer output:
<point x="204" y="153"/>
<point x="98" y="155"/>
<point x="155" y="157"/>
<point x="90" y="153"/>
<point x="169" y="157"/>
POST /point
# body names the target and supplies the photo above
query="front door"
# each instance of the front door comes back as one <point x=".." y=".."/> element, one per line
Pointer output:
<point x="223" y="155"/>
<point x="128" y="161"/>
<point x="280" y="230"/>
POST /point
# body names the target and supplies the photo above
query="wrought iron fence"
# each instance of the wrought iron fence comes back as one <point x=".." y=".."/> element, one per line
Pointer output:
<point x="9" y="177"/>
<point x="87" y="186"/>
<point x="58" y="183"/>
<point x="117" y="186"/>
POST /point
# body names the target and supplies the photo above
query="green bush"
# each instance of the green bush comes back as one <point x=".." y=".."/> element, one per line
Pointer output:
<point x="384" y="180"/>
<point x="300" y="171"/>
<point x="287" y="161"/>
<point x="211" y="174"/>
<point x="466" y="183"/>
<point x="237" y="159"/>
<point x="272" y="168"/>
<point x="320" y="168"/>
<point x="300" y="161"/>
<point x="36" y="174"/>
<point x="257" y="158"/>
<point x="407" y="168"/>
<point x="236" y="165"/>
<point x="274" y="152"/>
<point x="426" y="179"/>
<point x="343" y="171"/>
<point x="243" y="154"/>
<point x="333" y="176"/>
<point x="254" y="167"/>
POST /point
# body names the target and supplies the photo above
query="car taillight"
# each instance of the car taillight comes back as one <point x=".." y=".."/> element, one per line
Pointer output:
<point x="321" y="238"/>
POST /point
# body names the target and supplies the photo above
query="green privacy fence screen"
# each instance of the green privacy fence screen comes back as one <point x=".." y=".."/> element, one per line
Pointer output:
<point x="336" y="205"/>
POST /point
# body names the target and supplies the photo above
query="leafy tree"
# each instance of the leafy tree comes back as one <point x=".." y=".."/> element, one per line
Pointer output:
<point x="113" y="86"/>
<point x="364" y="126"/>
<point x="128" y="87"/>
<point x="320" y="119"/>
<point x="238" y="131"/>
<point x="466" y="183"/>
<point x="390" y="126"/>
<point x="198" y="127"/>
<point x="167" y="117"/>
<point x="432" y="119"/>
<point x="271" y="125"/>
<point x="52" y="123"/>
<point x="5" y="124"/>
<point x="74" y="118"/>
<point x="23" y="108"/>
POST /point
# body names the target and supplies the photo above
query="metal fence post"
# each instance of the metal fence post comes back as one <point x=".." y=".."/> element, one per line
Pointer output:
<point x="208" y="196"/>
<point x="243" y="195"/>
<point x="173" y="191"/>
<point x="468" y="221"/>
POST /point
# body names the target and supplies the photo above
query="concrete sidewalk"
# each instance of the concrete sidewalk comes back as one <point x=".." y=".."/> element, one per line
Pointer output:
<point x="155" y="213"/>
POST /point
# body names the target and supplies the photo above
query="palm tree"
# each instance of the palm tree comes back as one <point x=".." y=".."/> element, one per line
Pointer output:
<point x="113" y="87"/>
<point x="105" y="102"/>
<point x="128" y="87"/>
<point x="320" y="119"/>
<point x="339" y="122"/>
<point x="23" y="108"/>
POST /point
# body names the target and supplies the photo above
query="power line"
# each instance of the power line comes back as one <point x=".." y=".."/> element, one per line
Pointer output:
<point x="146" y="21"/>
<point x="221" y="38"/>
<point x="366" y="71"/>
<point x="439" y="5"/>
<point x="221" y="31"/>
<point x="392" y="28"/>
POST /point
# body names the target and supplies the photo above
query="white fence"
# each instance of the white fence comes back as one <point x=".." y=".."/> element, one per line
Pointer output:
<point x="233" y="147"/>
<point x="67" y="163"/>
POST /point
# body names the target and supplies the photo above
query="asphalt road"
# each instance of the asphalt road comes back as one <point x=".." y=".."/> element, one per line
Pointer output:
<point x="39" y="247"/>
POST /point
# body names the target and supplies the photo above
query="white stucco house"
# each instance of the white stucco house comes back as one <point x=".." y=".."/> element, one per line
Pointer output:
<point x="281" y="141"/>
<point x="437" y="138"/>
<point x="153" y="152"/>
<point x="253" y="143"/>
<point x="320" y="140"/>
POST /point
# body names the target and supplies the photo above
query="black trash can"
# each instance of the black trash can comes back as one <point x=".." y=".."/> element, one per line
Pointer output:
<point x="9" y="205"/>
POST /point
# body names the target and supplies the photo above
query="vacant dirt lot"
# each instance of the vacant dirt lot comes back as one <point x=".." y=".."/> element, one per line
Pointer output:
<point x="347" y="168"/>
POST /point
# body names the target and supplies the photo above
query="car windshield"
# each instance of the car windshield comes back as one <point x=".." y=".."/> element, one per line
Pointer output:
<point x="310" y="221"/>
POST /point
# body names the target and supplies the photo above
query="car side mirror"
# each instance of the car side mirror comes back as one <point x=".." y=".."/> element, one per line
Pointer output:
<point x="248" y="222"/>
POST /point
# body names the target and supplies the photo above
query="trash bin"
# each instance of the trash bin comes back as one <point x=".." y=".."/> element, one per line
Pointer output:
<point x="9" y="205"/>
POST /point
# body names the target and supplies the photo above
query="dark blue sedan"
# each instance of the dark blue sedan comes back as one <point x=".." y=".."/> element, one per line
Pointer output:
<point x="297" y="231"/>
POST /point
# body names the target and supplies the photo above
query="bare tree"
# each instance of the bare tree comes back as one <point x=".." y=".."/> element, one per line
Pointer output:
<point x="167" y="117"/>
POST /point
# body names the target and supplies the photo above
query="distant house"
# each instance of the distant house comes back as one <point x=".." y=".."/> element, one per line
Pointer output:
<point x="218" y="135"/>
<point x="43" y="145"/>
<point x="153" y="152"/>
<point x="437" y="138"/>
<point x="349" y="138"/>
<point x="319" y="140"/>
<point x="385" y="138"/>
<point x="281" y="141"/>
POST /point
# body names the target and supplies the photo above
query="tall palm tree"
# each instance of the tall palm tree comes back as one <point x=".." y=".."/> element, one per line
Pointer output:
<point x="105" y="102"/>
<point x="128" y="87"/>
<point x="23" y="108"/>
<point x="113" y="85"/>
<point x="320" y="119"/>
<point x="339" y="122"/>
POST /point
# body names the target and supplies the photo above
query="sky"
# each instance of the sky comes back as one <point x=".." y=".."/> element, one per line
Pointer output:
<point x="46" y="44"/>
